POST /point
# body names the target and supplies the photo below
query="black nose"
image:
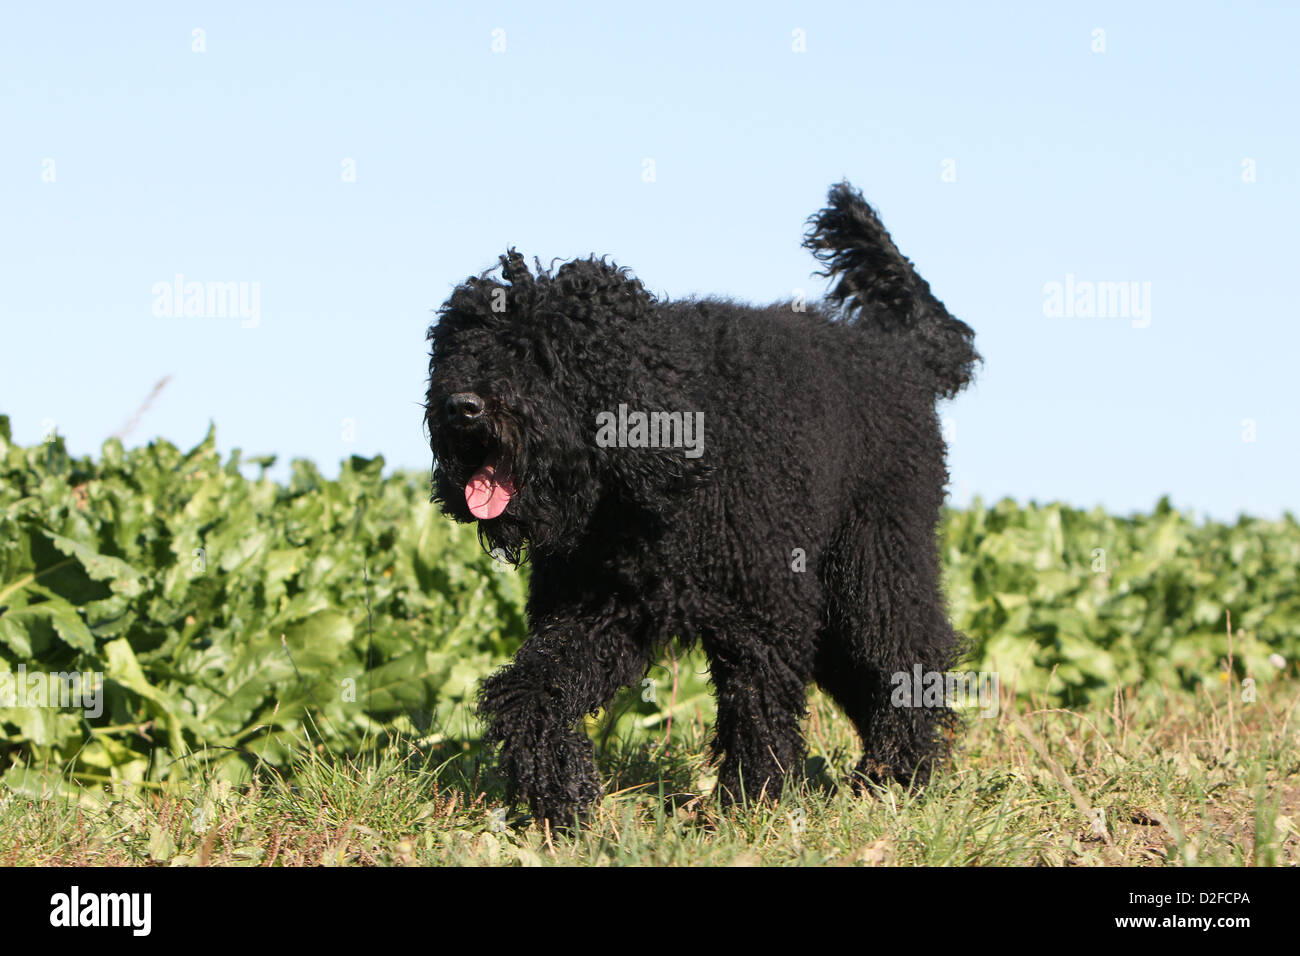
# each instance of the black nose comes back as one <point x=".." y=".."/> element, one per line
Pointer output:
<point x="465" y="406"/>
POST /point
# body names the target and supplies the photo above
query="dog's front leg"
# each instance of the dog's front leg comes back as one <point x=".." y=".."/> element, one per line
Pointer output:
<point x="532" y="708"/>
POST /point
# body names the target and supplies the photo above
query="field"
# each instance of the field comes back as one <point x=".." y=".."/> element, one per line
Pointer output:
<point x="1143" y="782"/>
<point x="286" y="673"/>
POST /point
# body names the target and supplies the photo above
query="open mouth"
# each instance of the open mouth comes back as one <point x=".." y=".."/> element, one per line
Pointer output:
<point x="489" y="490"/>
<point x="477" y="447"/>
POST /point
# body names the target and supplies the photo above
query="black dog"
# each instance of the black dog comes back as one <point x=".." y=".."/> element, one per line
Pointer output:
<point x="767" y="480"/>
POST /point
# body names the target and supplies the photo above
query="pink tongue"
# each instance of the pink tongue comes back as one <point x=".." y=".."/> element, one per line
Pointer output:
<point x="488" y="493"/>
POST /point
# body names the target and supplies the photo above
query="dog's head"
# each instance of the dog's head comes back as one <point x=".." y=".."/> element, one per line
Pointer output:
<point x="520" y="366"/>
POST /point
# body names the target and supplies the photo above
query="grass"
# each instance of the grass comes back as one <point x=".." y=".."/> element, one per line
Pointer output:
<point x="1148" y="779"/>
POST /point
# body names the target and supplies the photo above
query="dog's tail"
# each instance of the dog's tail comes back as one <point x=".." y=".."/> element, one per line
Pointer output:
<point x="875" y="283"/>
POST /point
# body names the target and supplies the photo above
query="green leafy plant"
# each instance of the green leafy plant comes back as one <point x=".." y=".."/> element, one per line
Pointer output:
<point x="228" y="613"/>
<point x="236" y="620"/>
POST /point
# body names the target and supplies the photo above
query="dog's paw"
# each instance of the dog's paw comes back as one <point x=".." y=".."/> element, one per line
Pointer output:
<point x="553" y="773"/>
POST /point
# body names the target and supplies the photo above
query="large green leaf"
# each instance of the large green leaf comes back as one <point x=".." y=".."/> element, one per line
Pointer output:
<point x="121" y="577"/>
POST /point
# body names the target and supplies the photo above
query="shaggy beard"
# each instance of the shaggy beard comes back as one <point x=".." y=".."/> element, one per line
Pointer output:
<point x="548" y="513"/>
<point x="457" y="457"/>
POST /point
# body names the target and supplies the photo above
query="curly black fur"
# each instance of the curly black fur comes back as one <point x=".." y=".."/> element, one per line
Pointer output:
<point x="821" y="446"/>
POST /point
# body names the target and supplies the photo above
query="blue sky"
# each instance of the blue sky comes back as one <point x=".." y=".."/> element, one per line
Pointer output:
<point x="1171" y="159"/>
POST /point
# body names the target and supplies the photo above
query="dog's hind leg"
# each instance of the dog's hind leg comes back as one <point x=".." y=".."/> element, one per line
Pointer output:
<point x="885" y="622"/>
<point x="566" y="669"/>
<point x="761" y="684"/>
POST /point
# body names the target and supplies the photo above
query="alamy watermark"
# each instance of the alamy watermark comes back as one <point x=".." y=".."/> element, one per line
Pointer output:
<point x="922" y="688"/>
<point x="625" y="429"/>
<point x="1085" y="299"/>
<point x="133" y="911"/>
<point x="38" y="689"/>
<point x="179" y="299"/>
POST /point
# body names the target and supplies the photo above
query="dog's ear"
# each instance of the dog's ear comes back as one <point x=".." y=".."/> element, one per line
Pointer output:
<point x="591" y="291"/>
<point x="487" y="300"/>
<point x="595" y="290"/>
